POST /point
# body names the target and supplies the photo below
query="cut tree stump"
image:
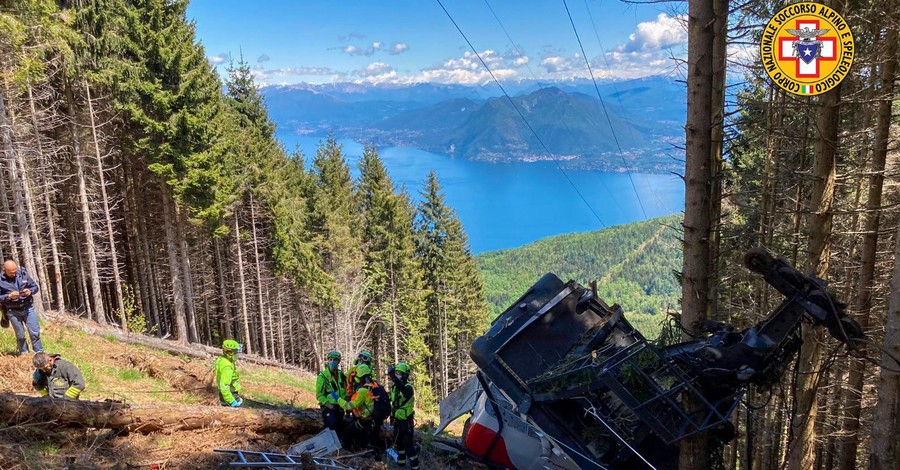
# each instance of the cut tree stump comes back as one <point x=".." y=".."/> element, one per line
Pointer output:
<point x="20" y="409"/>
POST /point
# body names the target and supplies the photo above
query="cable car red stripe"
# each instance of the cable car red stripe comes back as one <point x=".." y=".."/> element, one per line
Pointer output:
<point x="479" y="438"/>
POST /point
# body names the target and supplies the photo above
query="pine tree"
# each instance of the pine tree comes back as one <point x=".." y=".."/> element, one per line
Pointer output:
<point x="333" y="224"/>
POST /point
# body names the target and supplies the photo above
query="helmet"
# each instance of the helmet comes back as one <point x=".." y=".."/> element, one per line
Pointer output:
<point x="334" y="355"/>
<point x="231" y="345"/>
<point x="363" y="370"/>
<point x="402" y="367"/>
<point x="365" y="356"/>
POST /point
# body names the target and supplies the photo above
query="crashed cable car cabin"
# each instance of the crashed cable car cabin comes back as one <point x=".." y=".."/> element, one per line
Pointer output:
<point x="566" y="382"/>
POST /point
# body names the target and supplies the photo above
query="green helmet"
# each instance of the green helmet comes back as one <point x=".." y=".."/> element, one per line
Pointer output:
<point x="402" y="367"/>
<point x="365" y="356"/>
<point x="334" y="355"/>
<point x="230" y="345"/>
<point x="363" y="370"/>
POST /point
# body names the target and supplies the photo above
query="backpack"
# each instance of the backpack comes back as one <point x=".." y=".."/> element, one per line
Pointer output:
<point x="382" y="409"/>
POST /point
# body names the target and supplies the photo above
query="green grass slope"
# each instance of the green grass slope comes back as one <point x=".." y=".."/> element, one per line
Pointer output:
<point x="632" y="263"/>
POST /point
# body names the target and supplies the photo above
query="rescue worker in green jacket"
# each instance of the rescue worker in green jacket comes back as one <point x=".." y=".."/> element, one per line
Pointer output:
<point x="365" y="428"/>
<point x="364" y="357"/>
<point x="403" y="403"/>
<point x="55" y="377"/>
<point x="227" y="377"/>
<point x="329" y="390"/>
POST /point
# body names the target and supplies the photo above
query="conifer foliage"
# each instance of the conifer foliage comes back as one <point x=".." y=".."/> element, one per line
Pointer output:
<point x="141" y="191"/>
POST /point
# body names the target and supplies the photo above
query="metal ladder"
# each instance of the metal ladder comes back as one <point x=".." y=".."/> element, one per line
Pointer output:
<point x="249" y="459"/>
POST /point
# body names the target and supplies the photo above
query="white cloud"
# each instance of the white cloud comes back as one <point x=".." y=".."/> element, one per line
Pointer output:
<point x="466" y="70"/>
<point x="263" y="58"/>
<point x="636" y="63"/>
<point x="398" y="48"/>
<point x="263" y="75"/>
<point x="220" y="58"/>
<point x="520" y="61"/>
<point x="376" y="72"/>
<point x="555" y="64"/>
<point x="353" y="49"/>
<point x="665" y="31"/>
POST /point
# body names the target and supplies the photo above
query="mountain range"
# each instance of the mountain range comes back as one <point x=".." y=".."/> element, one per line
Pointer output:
<point x="633" y="127"/>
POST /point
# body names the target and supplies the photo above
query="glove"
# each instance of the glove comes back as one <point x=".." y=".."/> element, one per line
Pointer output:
<point x="237" y="403"/>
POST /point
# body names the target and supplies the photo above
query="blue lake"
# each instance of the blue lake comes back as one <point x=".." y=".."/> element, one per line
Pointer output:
<point x="506" y="205"/>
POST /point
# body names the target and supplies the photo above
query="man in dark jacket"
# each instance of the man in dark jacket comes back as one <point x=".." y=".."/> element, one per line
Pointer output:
<point x="56" y="377"/>
<point x="17" y="291"/>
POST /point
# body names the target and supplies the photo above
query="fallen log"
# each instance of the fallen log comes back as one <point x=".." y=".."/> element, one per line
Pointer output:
<point x="141" y="418"/>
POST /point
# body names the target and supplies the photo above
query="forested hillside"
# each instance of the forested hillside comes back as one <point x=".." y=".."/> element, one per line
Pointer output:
<point x="634" y="265"/>
<point x="141" y="190"/>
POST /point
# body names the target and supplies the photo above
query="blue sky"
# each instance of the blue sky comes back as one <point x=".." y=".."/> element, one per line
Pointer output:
<point x="407" y="41"/>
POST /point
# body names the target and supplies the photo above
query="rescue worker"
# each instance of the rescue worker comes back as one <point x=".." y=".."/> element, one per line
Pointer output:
<point x="227" y="377"/>
<point x="364" y="357"/>
<point x="365" y="428"/>
<point x="402" y="414"/>
<point x="55" y="377"/>
<point x="330" y="389"/>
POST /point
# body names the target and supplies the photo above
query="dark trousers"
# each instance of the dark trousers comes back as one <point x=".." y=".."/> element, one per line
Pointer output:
<point x="362" y="433"/>
<point x="405" y="443"/>
<point x="333" y="418"/>
<point x="26" y="319"/>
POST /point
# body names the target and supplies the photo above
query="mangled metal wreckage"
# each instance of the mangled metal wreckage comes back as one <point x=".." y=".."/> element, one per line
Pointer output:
<point x="565" y="382"/>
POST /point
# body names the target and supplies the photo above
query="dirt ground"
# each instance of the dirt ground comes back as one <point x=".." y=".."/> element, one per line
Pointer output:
<point x="134" y="374"/>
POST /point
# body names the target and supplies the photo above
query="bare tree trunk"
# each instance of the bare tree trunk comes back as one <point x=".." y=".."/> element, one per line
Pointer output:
<point x="187" y="279"/>
<point x="885" y="451"/>
<point x="717" y="132"/>
<point x="866" y="284"/>
<point x="245" y="318"/>
<point x="149" y="418"/>
<point x="149" y="272"/>
<point x="51" y="222"/>
<point x="21" y="211"/>
<point x="220" y="287"/>
<point x="170" y="215"/>
<point x="110" y="234"/>
<point x="280" y="325"/>
<point x="7" y="212"/>
<point x="802" y="447"/>
<point x="54" y="248"/>
<point x="262" y="312"/>
<point x="695" y="271"/>
<point x="87" y="226"/>
<point x="315" y="342"/>
<point x="394" y="323"/>
<point x="139" y="266"/>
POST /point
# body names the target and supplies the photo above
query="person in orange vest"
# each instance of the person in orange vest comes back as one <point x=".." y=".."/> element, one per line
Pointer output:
<point x="364" y="357"/>
<point x="370" y="406"/>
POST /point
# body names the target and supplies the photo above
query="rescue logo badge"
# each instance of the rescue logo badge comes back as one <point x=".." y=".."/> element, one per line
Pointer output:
<point x="807" y="48"/>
